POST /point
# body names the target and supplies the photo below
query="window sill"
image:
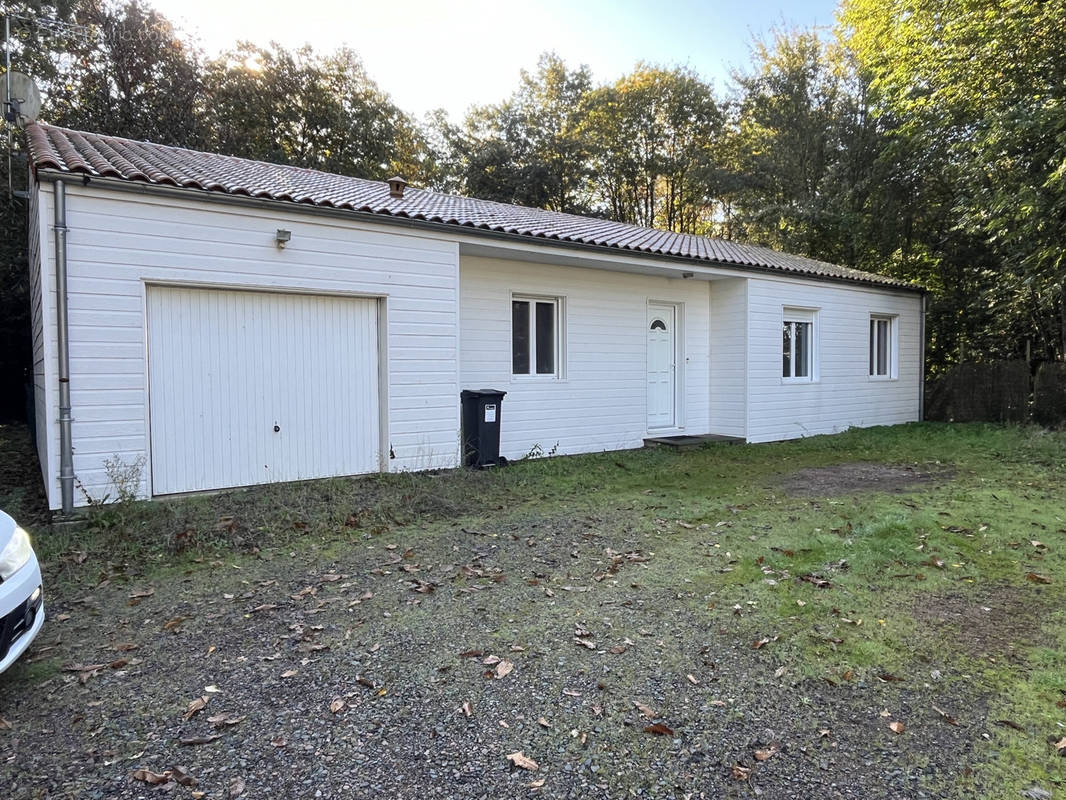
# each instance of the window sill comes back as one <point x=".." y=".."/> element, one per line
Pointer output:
<point x="537" y="379"/>
<point x="883" y="378"/>
<point x="798" y="381"/>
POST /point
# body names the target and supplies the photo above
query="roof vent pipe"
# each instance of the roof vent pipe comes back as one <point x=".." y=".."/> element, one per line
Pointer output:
<point x="396" y="186"/>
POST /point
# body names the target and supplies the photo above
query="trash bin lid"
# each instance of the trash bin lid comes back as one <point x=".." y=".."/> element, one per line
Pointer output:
<point x="483" y="393"/>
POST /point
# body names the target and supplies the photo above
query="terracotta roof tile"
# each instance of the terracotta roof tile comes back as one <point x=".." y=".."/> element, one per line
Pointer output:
<point x="93" y="154"/>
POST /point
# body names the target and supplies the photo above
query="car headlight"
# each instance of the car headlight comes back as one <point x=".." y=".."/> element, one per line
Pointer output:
<point x="16" y="554"/>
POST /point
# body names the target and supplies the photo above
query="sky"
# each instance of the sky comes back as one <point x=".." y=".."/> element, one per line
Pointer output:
<point x="431" y="54"/>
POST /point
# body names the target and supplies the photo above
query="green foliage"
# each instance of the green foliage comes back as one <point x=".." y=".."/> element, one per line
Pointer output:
<point x="297" y="107"/>
<point x="926" y="140"/>
<point x="527" y="150"/>
<point x="979" y="88"/>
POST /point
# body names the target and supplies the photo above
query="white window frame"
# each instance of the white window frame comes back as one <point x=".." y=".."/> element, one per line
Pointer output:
<point x="559" y="304"/>
<point x="809" y="315"/>
<point x="892" y="351"/>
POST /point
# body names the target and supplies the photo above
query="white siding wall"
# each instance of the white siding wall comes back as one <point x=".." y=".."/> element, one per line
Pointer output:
<point x="118" y="242"/>
<point x="729" y="356"/>
<point x="601" y="404"/>
<point x="39" y="226"/>
<point x="844" y="395"/>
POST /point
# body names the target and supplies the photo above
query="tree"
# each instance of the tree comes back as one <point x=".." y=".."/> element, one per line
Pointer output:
<point x="980" y="86"/>
<point x="650" y="136"/>
<point x="296" y="107"/>
<point x="529" y="149"/>
<point x="130" y="75"/>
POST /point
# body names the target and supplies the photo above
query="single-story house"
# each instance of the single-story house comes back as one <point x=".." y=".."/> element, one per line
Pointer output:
<point x="223" y="322"/>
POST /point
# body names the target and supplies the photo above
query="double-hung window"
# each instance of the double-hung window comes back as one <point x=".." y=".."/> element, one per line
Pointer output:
<point x="535" y="339"/>
<point x="882" y="346"/>
<point x="798" y="363"/>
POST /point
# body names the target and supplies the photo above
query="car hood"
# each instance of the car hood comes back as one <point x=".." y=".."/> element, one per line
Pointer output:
<point x="7" y="530"/>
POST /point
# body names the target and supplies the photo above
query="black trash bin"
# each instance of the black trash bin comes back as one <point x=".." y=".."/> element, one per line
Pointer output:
<point x="481" y="427"/>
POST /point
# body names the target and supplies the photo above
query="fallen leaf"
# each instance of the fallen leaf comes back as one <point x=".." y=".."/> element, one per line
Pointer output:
<point x="289" y="673"/>
<point x="740" y="772"/>
<point x="950" y="720"/>
<point x="766" y="753"/>
<point x="137" y="596"/>
<point x="147" y="776"/>
<point x="467" y="709"/>
<point x="647" y="711"/>
<point x="617" y="650"/>
<point x="236" y="787"/>
<point x="504" y="668"/>
<point x="896" y="727"/>
<point x="658" y="729"/>
<point x="196" y="706"/>
<point x="535" y="784"/>
<point x="522" y="761"/>
<point x="1060" y="745"/>
<point x="279" y="742"/>
<point x="1036" y="577"/>
<point x="182" y="776"/>
<point x="888" y="677"/>
<point x="591" y="645"/>
<point x="692" y="679"/>
<point x="780" y="671"/>
<point x="174" y="624"/>
<point x="543" y="722"/>
<point x="759" y="644"/>
<point x="225" y="720"/>
<point x="337" y="705"/>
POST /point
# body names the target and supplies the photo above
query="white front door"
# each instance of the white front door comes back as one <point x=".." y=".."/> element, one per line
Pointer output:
<point x="662" y="369"/>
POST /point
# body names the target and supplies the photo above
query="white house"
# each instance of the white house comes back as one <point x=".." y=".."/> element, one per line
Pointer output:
<point x="227" y="322"/>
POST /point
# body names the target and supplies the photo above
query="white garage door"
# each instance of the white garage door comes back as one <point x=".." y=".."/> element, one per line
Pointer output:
<point x="254" y="387"/>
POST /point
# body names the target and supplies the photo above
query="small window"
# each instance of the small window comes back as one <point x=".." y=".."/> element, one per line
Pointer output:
<point x="534" y="336"/>
<point x="797" y="345"/>
<point x="882" y="347"/>
<point x="658" y="325"/>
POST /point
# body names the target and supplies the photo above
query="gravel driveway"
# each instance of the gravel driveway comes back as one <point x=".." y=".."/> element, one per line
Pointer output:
<point x="413" y="663"/>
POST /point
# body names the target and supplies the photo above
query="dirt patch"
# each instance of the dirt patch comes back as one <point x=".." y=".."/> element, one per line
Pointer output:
<point x="842" y="479"/>
<point x="998" y="623"/>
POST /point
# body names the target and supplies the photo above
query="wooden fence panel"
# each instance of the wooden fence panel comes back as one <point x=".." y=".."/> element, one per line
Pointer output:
<point x="1049" y="395"/>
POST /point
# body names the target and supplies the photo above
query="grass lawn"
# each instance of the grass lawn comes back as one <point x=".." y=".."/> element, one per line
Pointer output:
<point x="874" y="614"/>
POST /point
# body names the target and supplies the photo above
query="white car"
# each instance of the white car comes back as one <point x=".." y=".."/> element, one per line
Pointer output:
<point x="21" y="597"/>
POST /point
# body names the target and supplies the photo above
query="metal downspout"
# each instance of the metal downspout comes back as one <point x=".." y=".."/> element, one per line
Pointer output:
<point x="66" y="449"/>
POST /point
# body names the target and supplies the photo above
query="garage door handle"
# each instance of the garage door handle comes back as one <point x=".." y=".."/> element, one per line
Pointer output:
<point x="277" y="428"/>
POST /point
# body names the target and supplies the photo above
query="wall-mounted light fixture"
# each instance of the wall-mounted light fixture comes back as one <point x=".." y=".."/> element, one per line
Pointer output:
<point x="281" y="238"/>
<point x="687" y="274"/>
